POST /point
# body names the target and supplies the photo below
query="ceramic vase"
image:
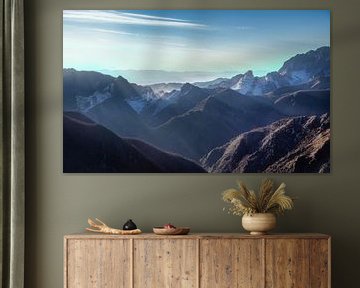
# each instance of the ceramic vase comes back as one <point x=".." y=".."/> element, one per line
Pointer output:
<point x="259" y="223"/>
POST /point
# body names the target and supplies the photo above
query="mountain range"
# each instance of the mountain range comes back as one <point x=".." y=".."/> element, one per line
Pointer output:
<point x="299" y="69"/>
<point x="196" y="122"/>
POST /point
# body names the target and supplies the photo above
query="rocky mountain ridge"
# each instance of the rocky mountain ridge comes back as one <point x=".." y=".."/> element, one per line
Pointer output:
<point x="290" y="145"/>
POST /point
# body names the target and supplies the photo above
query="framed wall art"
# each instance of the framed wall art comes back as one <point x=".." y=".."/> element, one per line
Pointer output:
<point x="196" y="91"/>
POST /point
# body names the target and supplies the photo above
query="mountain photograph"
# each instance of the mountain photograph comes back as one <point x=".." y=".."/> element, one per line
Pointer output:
<point x="196" y="91"/>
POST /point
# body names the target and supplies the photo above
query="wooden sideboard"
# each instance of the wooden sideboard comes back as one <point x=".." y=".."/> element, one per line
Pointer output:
<point x="197" y="260"/>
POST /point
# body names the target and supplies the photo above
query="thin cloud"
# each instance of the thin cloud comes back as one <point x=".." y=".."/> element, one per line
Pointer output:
<point x="152" y="17"/>
<point x="126" y="18"/>
<point x="112" y="31"/>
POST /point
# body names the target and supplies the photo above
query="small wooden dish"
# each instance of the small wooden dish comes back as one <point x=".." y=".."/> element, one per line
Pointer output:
<point x="171" y="231"/>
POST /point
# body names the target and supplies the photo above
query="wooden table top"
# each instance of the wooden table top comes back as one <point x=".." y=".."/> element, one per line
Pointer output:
<point x="89" y="235"/>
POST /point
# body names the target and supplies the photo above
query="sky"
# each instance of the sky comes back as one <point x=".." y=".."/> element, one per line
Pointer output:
<point x="200" y="44"/>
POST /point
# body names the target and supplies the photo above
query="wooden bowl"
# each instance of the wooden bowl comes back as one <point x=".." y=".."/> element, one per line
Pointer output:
<point x="171" y="231"/>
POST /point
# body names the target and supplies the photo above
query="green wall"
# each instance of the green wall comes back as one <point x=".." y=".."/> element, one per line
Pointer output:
<point x="58" y="204"/>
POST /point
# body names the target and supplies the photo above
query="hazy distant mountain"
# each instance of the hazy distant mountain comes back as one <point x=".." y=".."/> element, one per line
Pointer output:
<point x="300" y="144"/>
<point x="210" y="84"/>
<point x="91" y="148"/>
<point x="160" y="89"/>
<point x="149" y="77"/>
